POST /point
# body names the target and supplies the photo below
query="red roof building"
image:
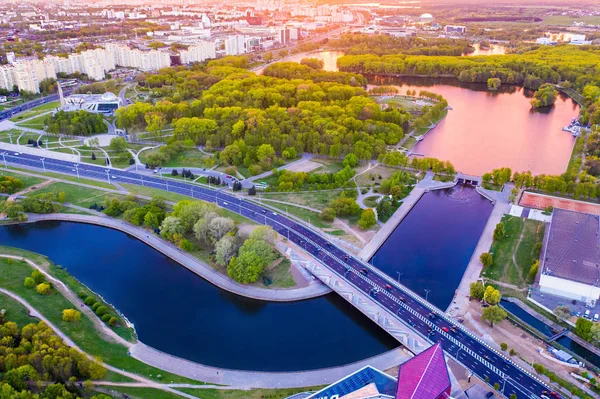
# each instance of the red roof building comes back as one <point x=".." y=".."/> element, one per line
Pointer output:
<point x="425" y="376"/>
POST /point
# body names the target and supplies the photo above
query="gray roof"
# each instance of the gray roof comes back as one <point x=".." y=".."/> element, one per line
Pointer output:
<point x="572" y="251"/>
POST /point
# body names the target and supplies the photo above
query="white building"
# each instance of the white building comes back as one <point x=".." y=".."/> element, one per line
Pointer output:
<point x="8" y="78"/>
<point x="144" y="60"/>
<point x="105" y="103"/>
<point x="198" y="52"/>
<point x="571" y="257"/>
<point x="235" y="45"/>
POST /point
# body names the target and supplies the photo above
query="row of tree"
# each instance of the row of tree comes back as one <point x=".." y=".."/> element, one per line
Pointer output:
<point x="76" y="123"/>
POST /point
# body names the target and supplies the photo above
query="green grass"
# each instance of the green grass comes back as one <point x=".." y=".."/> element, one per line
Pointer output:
<point x="371" y="202"/>
<point x="337" y="233"/>
<point x="35" y="123"/>
<point x="504" y="269"/>
<point x="91" y="182"/>
<point x="77" y="195"/>
<point x="375" y="176"/>
<point x="15" y="311"/>
<point x="443" y="178"/>
<point x="281" y="275"/>
<point x="329" y="165"/>
<point x="28" y="181"/>
<point x="565" y="20"/>
<point x="155" y="192"/>
<point x="36" y="111"/>
<point x="406" y="102"/>
<point x="300" y="213"/>
<point x="410" y="143"/>
<point x="191" y="158"/>
<point x="27" y="136"/>
<point x="252" y="394"/>
<point x="83" y="333"/>
<point x="312" y="199"/>
<point x="141" y="393"/>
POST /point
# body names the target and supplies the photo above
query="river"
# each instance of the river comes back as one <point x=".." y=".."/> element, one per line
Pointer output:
<point x="179" y="313"/>
<point x="433" y="244"/>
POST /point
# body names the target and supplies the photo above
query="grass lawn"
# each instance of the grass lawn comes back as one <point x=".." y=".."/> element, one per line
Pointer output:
<point x="337" y="233"/>
<point x="83" y="333"/>
<point x="406" y="102"/>
<point x="443" y="178"/>
<point x="301" y="213"/>
<point x="313" y="199"/>
<point x="565" y="20"/>
<point x="375" y="176"/>
<point x="371" y="202"/>
<point x="155" y="192"/>
<point x="253" y="394"/>
<point x="27" y="136"/>
<point x="410" y="143"/>
<point x="519" y="241"/>
<point x="28" y="181"/>
<point x="35" y="123"/>
<point x="329" y="165"/>
<point x="15" y="311"/>
<point x="91" y="182"/>
<point x="77" y="195"/>
<point x="140" y="393"/>
<point x="280" y="275"/>
<point x="36" y="111"/>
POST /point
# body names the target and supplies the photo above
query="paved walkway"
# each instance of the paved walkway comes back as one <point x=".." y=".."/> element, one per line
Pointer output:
<point x="272" y="294"/>
<point x="425" y="185"/>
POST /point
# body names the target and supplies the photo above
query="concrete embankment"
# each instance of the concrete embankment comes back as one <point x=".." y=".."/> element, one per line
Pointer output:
<point x="313" y="290"/>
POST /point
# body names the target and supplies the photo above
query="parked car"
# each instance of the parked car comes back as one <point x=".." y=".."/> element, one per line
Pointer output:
<point x="596" y="317"/>
<point x="587" y="314"/>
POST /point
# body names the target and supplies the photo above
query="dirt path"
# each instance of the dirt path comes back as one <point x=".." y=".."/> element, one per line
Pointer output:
<point x="514" y="259"/>
<point x="30" y="189"/>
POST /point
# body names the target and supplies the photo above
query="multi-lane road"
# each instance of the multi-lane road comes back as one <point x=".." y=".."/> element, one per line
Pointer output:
<point x="431" y="323"/>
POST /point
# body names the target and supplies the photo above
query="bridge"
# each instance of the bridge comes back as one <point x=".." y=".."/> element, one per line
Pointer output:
<point x="558" y="335"/>
<point x="412" y="320"/>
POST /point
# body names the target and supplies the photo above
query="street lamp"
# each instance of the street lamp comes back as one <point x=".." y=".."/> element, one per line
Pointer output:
<point x="43" y="164"/>
<point x="108" y="175"/>
<point x="4" y="156"/>
<point x="76" y="169"/>
<point x="427" y="293"/>
<point x="399" y="275"/>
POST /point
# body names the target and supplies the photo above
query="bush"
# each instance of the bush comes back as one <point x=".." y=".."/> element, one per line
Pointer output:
<point x="71" y="315"/>
<point x="82" y="294"/>
<point x="186" y="245"/>
<point x="503" y="346"/>
<point x="43" y="289"/>
<point x="113" y="321"/>
<point x="96" y="305"/>
<point x="327" y="214"/>
<point x="105" y="318"/>
<point x="101" y="310"/>
<point x="90" y="301"/>
<point x="38" y="276"/>
<point x="29" y="282"/>
<point x="512" y="352"/>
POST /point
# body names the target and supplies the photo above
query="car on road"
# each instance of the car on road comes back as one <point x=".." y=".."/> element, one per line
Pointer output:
<point x="445" y="329"/>
<point x="17" y="153"/>
<point x="364" y="271"/>
<point x="489" y="395"/>
<point x="388" y="287"/>
<point x="401" y="299"/>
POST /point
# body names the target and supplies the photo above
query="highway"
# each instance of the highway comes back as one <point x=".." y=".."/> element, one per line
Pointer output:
<point x="31" y="104"/>
<point x="431" y="323"/>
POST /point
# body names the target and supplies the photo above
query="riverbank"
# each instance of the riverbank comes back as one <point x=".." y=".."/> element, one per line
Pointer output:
<point x="172" y="364"/>
<point x="313" y="290"/>
<point x="425" y="185"/>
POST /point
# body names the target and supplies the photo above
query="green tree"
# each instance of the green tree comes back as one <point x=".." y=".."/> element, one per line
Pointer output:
<point x="29" y="282"/>
<point x="493" y="83"/>
<point x="367" y="219"/>
<point x="493" y="314"/>
<point x="562" y="312"/>
<point x="499" y="232"/>
<point x="327" y="214"/>
<point x="533" y="271"/>
<point x="476" y="290"/>
<point x="486" y="259"/>
<point x="583" y="328"/>
<point x="43" y="288"/>
<point x="492" y="295"/>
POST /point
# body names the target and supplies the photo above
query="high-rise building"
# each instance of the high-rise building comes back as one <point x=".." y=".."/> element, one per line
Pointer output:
<point x="235" y="45"/>
<point x="8" y="77"/>
<point x="198" y="52"/>
<point x="145" y="60"/>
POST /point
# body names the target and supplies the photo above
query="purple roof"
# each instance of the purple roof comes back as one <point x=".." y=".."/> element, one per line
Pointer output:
<point x="425" y="376"/>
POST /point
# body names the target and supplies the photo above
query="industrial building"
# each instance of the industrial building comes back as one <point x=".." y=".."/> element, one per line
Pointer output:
<point x="570" y="265"/>
<point x="105" y="103"/>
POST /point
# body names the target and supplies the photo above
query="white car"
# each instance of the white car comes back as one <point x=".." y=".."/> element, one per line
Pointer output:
<point x="17" y="153"/>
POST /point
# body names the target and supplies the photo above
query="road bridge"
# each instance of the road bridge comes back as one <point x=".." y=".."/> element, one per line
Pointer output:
<point x="424" y="319"/>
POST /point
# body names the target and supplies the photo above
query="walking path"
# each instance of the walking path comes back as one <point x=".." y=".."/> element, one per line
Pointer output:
<point x="205" y="271"/>
<point x="186" y="368"/>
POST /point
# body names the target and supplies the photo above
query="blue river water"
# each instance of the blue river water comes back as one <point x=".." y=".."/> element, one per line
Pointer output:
<point x="432" y="246"/>
<point x="179" y="313"/>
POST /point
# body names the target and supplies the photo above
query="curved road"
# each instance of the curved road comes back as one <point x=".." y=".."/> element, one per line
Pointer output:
<point x="478" y="357"/>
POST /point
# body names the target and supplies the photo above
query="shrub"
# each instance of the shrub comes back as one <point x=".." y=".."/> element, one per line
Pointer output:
<point x="96" y="305"/>
<point x="38" y="276"/>
<point x="90" y="301"/>
<point x="186" y="245"/>
<point x="512" y="352"/>
<point x="29" y="282"/>
<point x="327" y="214"/>
<point x="105" y="318"/>
<point x="71" y="315"/>
<point x="43" y="289"/>
<point x="113" y="321"/>
<point x="101" y="310"/>
<point x="503" y="346"/>
<point x="82" y="294"/>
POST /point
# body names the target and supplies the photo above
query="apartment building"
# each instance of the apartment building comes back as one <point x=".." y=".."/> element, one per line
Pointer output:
<point x="199" y="52"/>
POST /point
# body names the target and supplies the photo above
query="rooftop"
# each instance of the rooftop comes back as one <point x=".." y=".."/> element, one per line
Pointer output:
<point x="572" y="250"/>
<point x="425" y="376"/>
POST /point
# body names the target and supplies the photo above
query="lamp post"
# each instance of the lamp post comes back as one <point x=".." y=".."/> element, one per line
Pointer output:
<point x="4" y="156"/>
<point x="76" y="169"/>
<point x="43" y="164"/>
<point x="108" y="175"/>
<point x="427" y="293"/>
<point x="399" y="275"/>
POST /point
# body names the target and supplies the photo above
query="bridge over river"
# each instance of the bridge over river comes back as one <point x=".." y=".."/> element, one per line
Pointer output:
<point x="412" y="320"/>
